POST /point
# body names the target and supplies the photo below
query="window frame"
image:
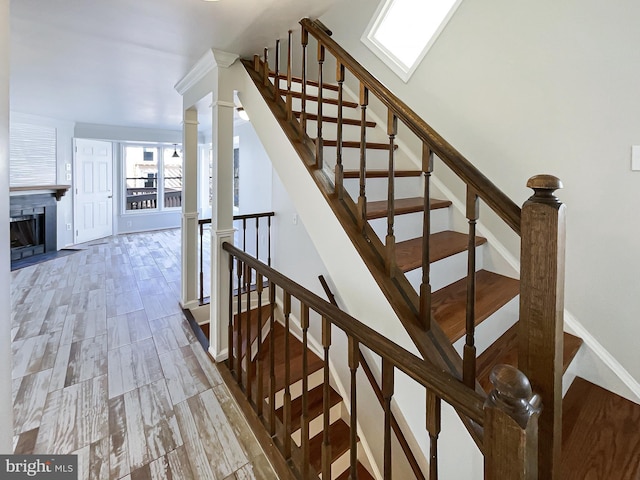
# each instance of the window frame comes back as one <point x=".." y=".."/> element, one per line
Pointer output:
<point x="160" y="178"/>
<point x="385" y="54"/>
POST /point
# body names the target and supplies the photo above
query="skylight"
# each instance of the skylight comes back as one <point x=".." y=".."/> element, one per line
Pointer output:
<point x="402" y="31"/>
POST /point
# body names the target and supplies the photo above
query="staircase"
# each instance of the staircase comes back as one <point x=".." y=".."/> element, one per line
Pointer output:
<point x="461" y="314"/>
<point x="297" y="389"/>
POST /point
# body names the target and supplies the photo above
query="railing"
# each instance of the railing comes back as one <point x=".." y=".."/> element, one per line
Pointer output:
<point x="147" y="197"/>
<point x="512" y="409"/>
<point x="243" y="232"/>
<point x="540" y="223"/>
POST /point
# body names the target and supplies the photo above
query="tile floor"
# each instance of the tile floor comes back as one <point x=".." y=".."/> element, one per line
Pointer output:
<point x="105" y="366"/>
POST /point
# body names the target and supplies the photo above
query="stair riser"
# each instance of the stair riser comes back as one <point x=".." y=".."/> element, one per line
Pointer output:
<point x="343" y="462"/>
<point x="446" y="271"/>
<point x="376" y="159"/>
<point x="315" y="379"/>
<point x="254" y="301"/>
<point x="328" y="109"/>
<point x="316" y="425"/>
<point x="349" y="132"/>
<point x="409" y="226"/>
<point x="493" y="327"/>
<point x="377" y="188"/>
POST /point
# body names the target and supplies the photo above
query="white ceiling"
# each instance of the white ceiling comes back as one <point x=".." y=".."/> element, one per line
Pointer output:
<point x="115" y="62"/>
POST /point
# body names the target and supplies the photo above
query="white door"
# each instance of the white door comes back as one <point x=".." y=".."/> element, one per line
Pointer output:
<point x="93" y="213"/>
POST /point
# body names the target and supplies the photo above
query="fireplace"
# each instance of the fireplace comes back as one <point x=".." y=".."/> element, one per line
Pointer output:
<point x="32" y="225"/>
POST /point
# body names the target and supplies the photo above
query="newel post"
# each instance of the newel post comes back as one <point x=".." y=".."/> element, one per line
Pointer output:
<point x="541" y="311"/>
<point x="511" y="427"/>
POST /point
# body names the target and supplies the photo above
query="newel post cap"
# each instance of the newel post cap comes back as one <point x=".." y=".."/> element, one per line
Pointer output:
<point x="512" y="394"/>
<point x="543" y="186"/>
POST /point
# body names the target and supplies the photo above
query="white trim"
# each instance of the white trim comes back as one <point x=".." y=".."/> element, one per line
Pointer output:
<point x="392" y="61"/>
<point x="211" y="59"/>
<point x="222" y="103"/>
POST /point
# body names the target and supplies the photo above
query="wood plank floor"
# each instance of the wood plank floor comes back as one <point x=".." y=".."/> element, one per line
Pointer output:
<point x="105" y="366"/>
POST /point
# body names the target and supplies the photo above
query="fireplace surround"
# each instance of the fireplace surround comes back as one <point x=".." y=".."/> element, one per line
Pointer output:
<point x="32" y="225"/>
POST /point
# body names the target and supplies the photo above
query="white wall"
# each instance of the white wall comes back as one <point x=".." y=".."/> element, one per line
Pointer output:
<point x="550" y="88"/>
<point x="255" y="172"/>
<point x="6" y="411"/>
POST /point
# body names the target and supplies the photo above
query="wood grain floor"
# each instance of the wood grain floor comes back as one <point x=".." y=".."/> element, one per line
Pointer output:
<point x="105" y="366"/>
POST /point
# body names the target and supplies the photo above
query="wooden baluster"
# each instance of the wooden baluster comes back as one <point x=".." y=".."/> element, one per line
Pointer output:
<point x="276" y="76"/>
<point x="272" y="362"/>
<point x="425" y="286"/>
<point x="244" y="234"/>
<point x="304" y="40"/>
<point x="286" y="411"/>
<point x="433" y="427"/>
<point x="390" y="241"/>
<point x="269" y="241"/>
<point x="339" y="172"/>
<point x="511" y="427"/>
<point x="249" y="363"/>
<point x="362" y="198"/>
<point x="319" y="139"/>
<point x="326" y="404"/>
<point x="256" y="63"/>
<point x="258" y="238"/>
<point x="387" y="394"/>
<point x="265" y="78"/>
<point x="541" y="324"/>
<point x="469" y="351"/>
<point x="304" y="435"/>
<point x="289" y="79"/>
<point x="239" y="267"/>
<point x="201" y="263"/>
<point x="260" y="375"/>
<point x="230" y="362"/>
<point x="354" y="360"/>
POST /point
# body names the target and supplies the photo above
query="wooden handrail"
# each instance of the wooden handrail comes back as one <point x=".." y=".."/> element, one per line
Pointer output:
<point x="439" y="381"/>
<point x="497" y="200"/>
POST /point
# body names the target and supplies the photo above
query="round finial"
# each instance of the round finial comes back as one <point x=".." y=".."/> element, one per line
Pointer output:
<point x="544" y="182"/>
<point x="510" y="383"/>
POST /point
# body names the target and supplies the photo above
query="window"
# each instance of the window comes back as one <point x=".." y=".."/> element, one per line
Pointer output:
<point x="153" y="177"/>
<point x="402" y="31"/>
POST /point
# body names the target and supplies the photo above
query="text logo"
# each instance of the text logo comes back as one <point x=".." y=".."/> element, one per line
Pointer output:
<point x="48" y="467"/>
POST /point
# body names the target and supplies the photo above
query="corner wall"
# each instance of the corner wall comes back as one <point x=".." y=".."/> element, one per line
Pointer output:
<point x="6" y="411"/>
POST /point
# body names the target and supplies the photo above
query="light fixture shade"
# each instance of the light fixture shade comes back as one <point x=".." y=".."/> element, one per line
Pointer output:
<point x="175" y="151"/>
<point x="242" y="113"/>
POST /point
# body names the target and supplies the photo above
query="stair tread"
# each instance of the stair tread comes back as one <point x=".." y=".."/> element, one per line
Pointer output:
<point x="441" y="245"/>
<point x="403" y="206"/>
<point x="363" y="474"/>
<point x="599" y="434"/>
<point x="449" y="303"/>
<point x="315" y="405"/>
<point x="296" y="350"/>
<point x="356" y="144"/>
<point x="253" y="317"/>
<point x="313" y="83"/>
<point x="505" y="350"/>
<point x="314" y="98"/>
<point x="339" y="438"/>
<point x="383" y="173"/>
<point x="346" y="121"/>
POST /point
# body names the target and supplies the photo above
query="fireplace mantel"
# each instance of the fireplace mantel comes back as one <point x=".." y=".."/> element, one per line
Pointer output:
<point x="57" y="190"/>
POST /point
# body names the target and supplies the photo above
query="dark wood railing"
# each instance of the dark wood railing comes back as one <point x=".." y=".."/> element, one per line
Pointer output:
<point x="544" y="232"/>
<point x="512" y="409"/>
<point x="254" y="246"/>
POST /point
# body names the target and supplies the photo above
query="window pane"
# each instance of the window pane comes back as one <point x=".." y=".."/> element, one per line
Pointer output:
<point x="141" y="177"/>
<point x="172" y="177"/>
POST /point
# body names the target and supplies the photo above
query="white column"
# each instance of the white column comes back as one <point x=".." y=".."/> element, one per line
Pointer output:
<point x="222" y="212"/>
<point x="6" y="410"/>
<point x="189" y="294"/>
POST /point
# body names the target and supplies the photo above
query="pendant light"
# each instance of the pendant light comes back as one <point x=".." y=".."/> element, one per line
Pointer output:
<point x="175" y="151"/>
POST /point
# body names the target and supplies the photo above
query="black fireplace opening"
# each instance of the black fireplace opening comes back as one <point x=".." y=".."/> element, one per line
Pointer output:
<point x="32" y="225"/>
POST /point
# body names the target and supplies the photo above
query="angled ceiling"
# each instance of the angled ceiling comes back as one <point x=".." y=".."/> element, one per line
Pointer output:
<point x="116" y="62"/>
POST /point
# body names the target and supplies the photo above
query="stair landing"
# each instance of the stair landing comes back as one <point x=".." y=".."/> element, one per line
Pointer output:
<point x="600" y="434"/>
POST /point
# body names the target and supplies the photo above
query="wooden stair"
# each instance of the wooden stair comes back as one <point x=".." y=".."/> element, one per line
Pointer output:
<point x="339" y="434"/>
<point x="402" y="206"/>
